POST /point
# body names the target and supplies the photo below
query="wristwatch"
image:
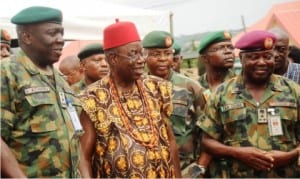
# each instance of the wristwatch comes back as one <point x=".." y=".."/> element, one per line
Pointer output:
<point x="197" y="170"/>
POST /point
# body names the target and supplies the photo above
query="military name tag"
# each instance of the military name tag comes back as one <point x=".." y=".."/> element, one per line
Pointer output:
<point x="275" y="127"/>
<point x="262" y="115"/>
<point x="39" y="89"/>
<point x="227" y="107"/>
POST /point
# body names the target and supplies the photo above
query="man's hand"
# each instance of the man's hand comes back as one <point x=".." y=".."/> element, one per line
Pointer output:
<point x="255" y="158"/>
<point x="280" y="158"/>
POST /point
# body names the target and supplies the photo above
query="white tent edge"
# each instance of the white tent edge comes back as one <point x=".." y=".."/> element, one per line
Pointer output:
<point x="85" y="20"/>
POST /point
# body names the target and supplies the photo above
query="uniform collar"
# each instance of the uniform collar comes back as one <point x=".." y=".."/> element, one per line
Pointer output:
<point x="274" y="84"/>
<point x="27" y="63"/>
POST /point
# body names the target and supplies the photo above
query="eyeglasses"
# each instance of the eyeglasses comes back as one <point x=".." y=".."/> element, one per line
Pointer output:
<point x="221" y="48"/>
<point x="133" y="56"/>
<point x="161" y="54"/>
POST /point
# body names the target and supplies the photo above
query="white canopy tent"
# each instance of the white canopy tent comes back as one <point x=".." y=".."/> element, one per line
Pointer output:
<point x="85" y="20"/>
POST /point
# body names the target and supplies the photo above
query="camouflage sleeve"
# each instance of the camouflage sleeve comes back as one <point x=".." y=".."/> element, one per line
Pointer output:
<point x="296" y="88"/>
<point x="210" y="121"/>
<point x="7" y="110"/>
<point x="196" y="88"/>
<point x="198" y="97"/>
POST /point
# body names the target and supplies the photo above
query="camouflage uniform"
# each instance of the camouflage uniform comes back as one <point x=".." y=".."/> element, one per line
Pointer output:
<point x="232" y="118"/>
<point x="203" y="82"/>
<point x="184" y="116"/>
<point x="79" y="86"/>
<point x="34" y="120"/>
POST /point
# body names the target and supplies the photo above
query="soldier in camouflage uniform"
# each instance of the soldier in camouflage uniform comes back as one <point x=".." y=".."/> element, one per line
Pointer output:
<point x="187" y="97"/>
<point x="93" y="64"/>
<point x="177" y="57"/>
<point x="252" y="120"/>
<point x="4" y="44"/>
<point x="38" y="139"/>
<point x="216" y="52"/>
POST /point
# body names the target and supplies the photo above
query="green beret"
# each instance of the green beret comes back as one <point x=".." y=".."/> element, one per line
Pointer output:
<point x="37" y="14"/>
<point x="176" y="48"/>
<point x="213" y="37"/>
<point x="158" y="39"/>
<point x="5" y="37"/>
<point x="90" y="50"/>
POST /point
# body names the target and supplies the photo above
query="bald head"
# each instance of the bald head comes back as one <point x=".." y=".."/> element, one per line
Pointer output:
<point x="279" y="33"/>
<point x="69" y="62"/>
<point x="70" y="67"/>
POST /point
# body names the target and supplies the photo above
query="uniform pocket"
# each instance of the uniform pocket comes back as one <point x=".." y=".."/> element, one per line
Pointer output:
<point x="235" y="126"/>
<point x="44" y="114"/>
<point x="288" y="117"/>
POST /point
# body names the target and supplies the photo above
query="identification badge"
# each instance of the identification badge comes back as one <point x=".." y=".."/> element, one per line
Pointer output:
<point x="62" y="99"/>
<point x="74" y="119"/>
<point x="262" y="115"/>
<point x="275" y="126"/>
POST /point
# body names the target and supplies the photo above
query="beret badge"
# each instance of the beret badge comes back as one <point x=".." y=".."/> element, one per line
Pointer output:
<point x="168" y="41"/>
<point x="268" y="43"/>
<point x="227" y="35"/>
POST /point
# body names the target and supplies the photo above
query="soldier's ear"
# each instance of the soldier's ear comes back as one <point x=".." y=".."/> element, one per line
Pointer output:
<point x="203" y="57"/>
<point x="26" y="37"/>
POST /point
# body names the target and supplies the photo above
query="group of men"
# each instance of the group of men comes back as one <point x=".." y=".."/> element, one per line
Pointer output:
<point x="120" y="121"/>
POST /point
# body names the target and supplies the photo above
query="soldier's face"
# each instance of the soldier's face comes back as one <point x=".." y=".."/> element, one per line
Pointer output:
<point x="220" y="55"/>
<point x="159" y="61"/>
<point x="177" y="60"/>
<point x="46" y="42"/>
<point x="5" y="50"/>
<point x="95" y="67"/>
<point x="258" y="66"/>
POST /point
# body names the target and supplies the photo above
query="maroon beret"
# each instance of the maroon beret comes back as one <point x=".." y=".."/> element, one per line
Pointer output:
<point x="256" y="41"/>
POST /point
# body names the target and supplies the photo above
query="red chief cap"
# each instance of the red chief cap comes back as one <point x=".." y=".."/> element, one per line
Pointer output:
<point x="256" y="41"/>
<point x="119" y="33"/>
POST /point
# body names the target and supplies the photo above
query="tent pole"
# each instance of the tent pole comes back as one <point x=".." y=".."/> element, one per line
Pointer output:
<point x="243" y="23"/>
<point x="171" y="22"/>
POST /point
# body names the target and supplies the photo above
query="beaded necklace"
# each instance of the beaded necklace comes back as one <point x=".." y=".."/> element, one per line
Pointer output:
<point x="138" y="136"/>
